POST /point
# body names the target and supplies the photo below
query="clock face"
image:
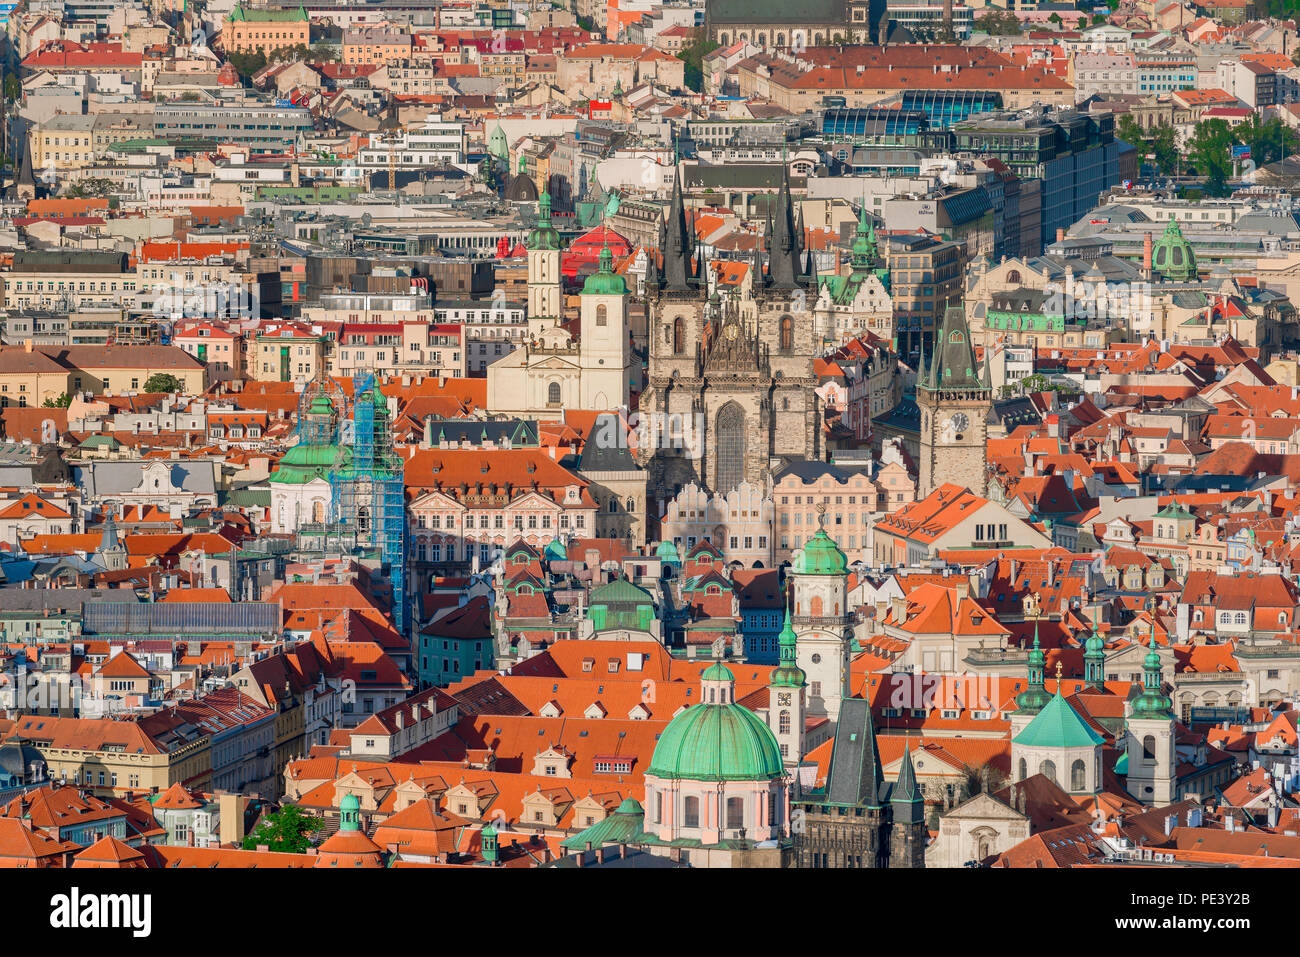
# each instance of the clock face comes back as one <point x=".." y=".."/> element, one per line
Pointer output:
<point x="783" y="700"/>
<point x="959" y="422"/>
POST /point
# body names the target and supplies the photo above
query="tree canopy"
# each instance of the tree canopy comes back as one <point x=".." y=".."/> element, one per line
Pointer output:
<point x="288" y="830"/>
<point x="162" y="382"/>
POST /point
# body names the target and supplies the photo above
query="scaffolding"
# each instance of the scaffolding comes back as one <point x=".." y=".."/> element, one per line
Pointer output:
<point x="368" y="490"/>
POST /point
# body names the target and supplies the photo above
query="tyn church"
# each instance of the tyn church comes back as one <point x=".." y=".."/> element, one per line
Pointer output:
<point x="730" y="395"/>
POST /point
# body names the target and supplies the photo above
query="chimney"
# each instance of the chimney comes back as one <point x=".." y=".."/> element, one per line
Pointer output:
<point x="1060" y="234"/>
<point x="230" y="824"/>
<point x="27" y="345"/>
<point x="1146" y="255"/>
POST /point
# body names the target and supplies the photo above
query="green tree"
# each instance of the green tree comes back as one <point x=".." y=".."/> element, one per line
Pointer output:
<point x="1269" y="140"/>
<point x="95" y="187"/>
<point x="287" y="831"/>
<point x="1210" y="153"/>
<point x="1098" y="20"/>
<point x="999" y="23"/>
<point x="246" y="64"/>
<point x="62" y="402"/>
<point x="162" y="382"/>
<point x="324" y="52"/>
<point x="1055" y="18"/>
<point x="692" y="54"/>
<point x="13" y="88"/>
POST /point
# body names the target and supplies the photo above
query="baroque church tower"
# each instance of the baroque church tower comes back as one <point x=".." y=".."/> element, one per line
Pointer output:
<point x="1149" y="745"/>
<point x="553" y="370"/>
<point x="730" y="393"/>
<point x="822" y="624"/>
<point x="955" y="400"/>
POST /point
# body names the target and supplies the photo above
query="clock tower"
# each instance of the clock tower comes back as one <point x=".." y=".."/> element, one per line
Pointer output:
<point x="785" y="708"/>
<point x="955" y="400"/>
<point x="822" y="623"/>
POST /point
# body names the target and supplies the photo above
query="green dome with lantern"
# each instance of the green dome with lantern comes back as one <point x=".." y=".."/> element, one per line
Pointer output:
<point x="604" y="281"/>
<point x="788" y="674"/>
<point x="544" y="235"/>
<point x="1152" y="702"/>
<point x="555" y="551"/>
<point x="306" y="462"/>
<point x="821" y="556"/>
<point x="1172" y="256"/>
<point x="717" y="742"/>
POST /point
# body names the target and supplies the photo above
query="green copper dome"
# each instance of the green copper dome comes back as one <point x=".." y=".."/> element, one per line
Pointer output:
<point x="717" y="672"/>
<point x="555" y="550"/>
<point x="1172" y="256"/>
<point x="1152" y="702"/>
<point x="821" y="556"/>
<point x="1058" y="726"/>
<point x="321" y="405"/>
<point x="306" y="462"/>
<point x="667" y="552"/>
<point x="604" y="281"/>
<point x="717" y="742"/>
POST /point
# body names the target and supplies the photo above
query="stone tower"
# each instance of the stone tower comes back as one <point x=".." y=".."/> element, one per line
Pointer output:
<point x="545" y="303"/>
<point x="823" y="628"/>
<point x="730" y="391"/>
<point x="907" y="831"/>
<point x="1152" y="758"/>
<point x="955" y="401"/>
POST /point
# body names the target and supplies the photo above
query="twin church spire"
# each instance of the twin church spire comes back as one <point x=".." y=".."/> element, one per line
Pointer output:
<point x="789" y="263"/>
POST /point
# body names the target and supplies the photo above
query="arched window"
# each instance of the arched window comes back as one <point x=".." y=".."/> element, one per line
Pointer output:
<point x="691" y="811"/>
<point x="1077" y="773"/>
<point x="1149" y="749"/>
<point x="553" y="393"/>
<point x="1048" y="770"/>
<point x="735" y="812"/>
<point x="783" y="723"/>
<point x="1024" y="770"/>
<point x="732" y="441"/>
<point x="631" y="506"/>
<point x="318" y="511"/>
<point x="602" y="316"/>
<point x="787" y="333"/>
<point x="1013" y="277"/>
<point x="679" y="336"/>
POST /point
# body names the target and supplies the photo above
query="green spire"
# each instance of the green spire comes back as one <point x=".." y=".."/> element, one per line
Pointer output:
<point x="1094" y="661"/>
<point x="1152" y="702"/>
<point x="864" y="243"/>
<point x="544" y="235"/>
<point x="906" y="799"/>
<point x="787" y="673"/>
<point x="1034" y="698"/>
